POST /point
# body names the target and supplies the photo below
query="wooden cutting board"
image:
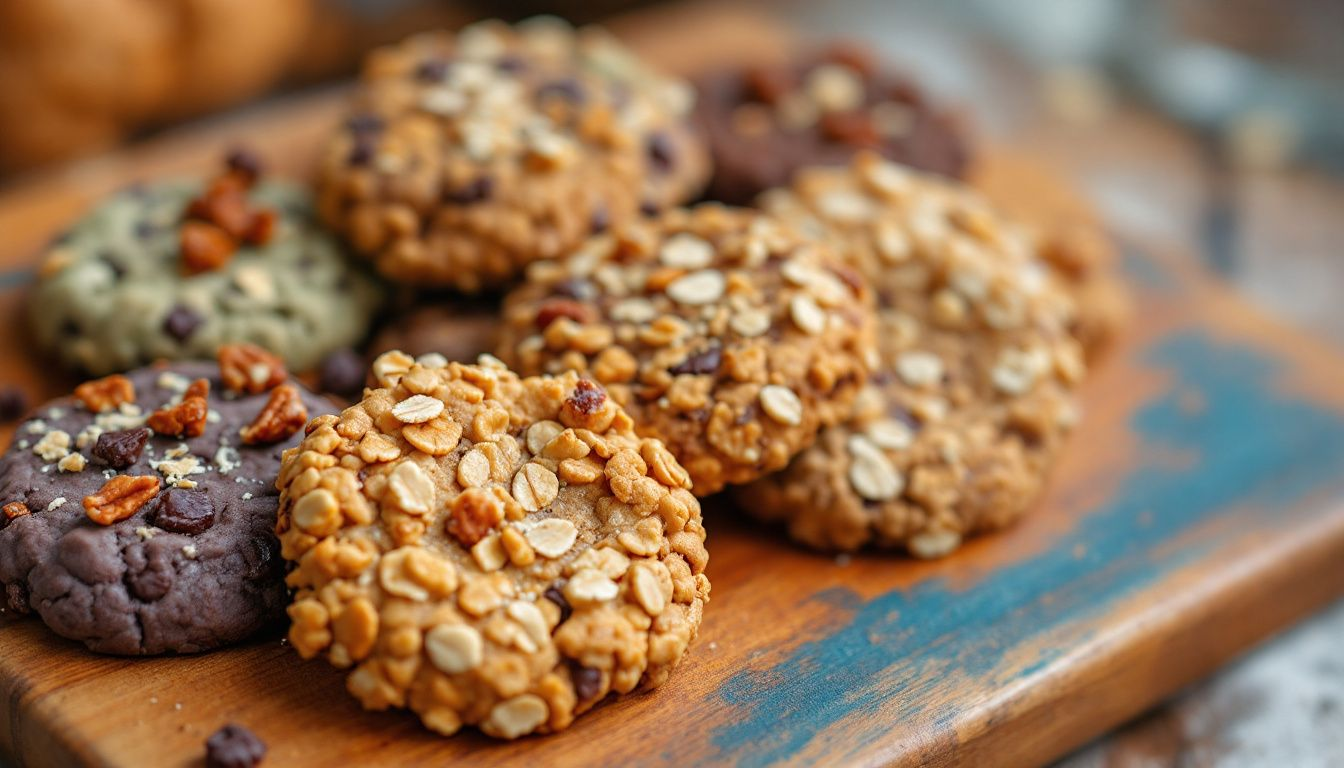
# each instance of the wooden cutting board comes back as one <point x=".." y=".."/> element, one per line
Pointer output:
<point x="1199" y="509"/>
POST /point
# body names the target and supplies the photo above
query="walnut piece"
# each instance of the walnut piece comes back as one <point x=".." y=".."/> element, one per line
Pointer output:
<point x="187" y="418"/>
<point x="282" y="416"/>
<point x="247" y="368"/>
<point x="205" y="247"/>
<point x="15" y="509"/>
<point x="120" y="497"/>
<point x="106" y="393"/>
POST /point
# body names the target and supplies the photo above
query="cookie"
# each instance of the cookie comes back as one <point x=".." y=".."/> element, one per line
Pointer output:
<point x="172" y="271"/>
<point x="139" y="516"/>
<point x="973" y="397"/>
<point x="724" y="334"/>
<point x="488" y="550"/>
<point x="469" y="156"/>
<point x="764" y="123"/>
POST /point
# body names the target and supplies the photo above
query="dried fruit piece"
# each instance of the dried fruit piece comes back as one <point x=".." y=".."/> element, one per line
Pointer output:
<point x="120" y="497"/>
<point x="122" y="448"/>
<point x="187" y="418"/>
<point x="183" y="511"/>
<point x="250" y="369"/>
<point x="106" y="393"/>
<point x="282" y="416"/>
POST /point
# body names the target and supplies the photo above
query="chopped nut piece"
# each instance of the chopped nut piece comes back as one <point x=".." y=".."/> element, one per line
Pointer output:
<point x="15" y="509"/>
<point x="250" y="369"/>
<point x="475" y="513"/>
<point x="120" y="498"/>
<point x="283" y="415"/>
<point x="105" y="394"/>
<point x="187" y="418"/>
<point x="205" y="247"/>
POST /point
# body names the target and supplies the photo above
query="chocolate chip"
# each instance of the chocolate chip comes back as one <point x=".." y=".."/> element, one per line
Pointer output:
<point x="121" y="449"/>
<point x="568" y="89"/>
<point x="648" y="208"/>
<point x="661" y="152"/>
<point x="554" y="594"/>
<point x="600" y="220"/>
<point x="431" y="71"/>
<point x="588" y="398"/>
<point x="475" y="191"/>
<point x="245" y="163"/>
<point x="706" y="361"/>
<point x="13" y="403"/>
<point x="587" y="681"/>
<point x="233" y="746"/>
<point x="365" y="124"/>
<point x="183" y="511"/>
<point x="343" y="373"/>
<point x="510" y="63"/>
<point x="181" y="322"/>
<point x="362" y="152"/>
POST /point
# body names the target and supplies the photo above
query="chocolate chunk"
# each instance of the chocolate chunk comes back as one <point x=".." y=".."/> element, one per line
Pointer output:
<point x="477" y="190"/>
<point x="703" y="362"/>
<point x="184" y="511"/>
<point x="587" y="681"/>
<point x="431" y="71"/>
<point x="13" y="403"/>
<point x="233" y="746"/>
<point x="588" y="398"/>
<point x="554" y="594"/>
<point x="569" y="89"/>
<point x="121" y="449"/>
<point x="181" y="322"/>
<point x="662" y="154"/>
<point x="600" y="220"/>
<point x="245" y="163"/>
<point x="343" y="373"/>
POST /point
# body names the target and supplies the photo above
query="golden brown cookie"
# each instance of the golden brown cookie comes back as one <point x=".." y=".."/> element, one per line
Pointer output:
<point x="725" y="334"/>
<point x="468" y="156"/>
<point x="974" y="394"/>
<point x="488" y="550"/>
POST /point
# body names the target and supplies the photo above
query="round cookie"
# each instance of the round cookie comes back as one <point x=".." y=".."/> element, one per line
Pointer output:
<point x="137" y="543"/>
<point x="469" y="156"/>
<point x="764" y="123"/>
<point x="726" y="335"/>
<point x="488" y="550"/>
<point x="150" y="275"/>
<point x="974" y="394"/>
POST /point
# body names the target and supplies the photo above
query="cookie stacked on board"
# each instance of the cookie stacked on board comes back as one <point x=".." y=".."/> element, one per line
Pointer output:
<point x="870" y="355"/>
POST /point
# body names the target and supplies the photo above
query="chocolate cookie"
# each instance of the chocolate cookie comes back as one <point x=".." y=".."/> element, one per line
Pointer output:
<point x="469" y="156"/>
<point x="764" y="123"/>
<point x="139" y="513"/>
<point x="974" y="395"/>
<point x="489" y="550"/>
<point x="172" y="270"/>
<point x="725" y="334"/>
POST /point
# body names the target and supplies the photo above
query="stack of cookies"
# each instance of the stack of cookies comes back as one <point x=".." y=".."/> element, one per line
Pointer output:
<point x="871" y="356"/>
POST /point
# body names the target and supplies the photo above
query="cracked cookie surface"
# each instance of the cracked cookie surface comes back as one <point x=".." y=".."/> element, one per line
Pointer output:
<point x="176" y="552"/>
<point x="974" y="395"/>
<point x="487" y="550"/>
<point x="725" y="334"/>
<point x="469" y="155"/>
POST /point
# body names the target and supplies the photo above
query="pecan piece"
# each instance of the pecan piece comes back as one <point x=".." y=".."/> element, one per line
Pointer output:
<point x="474" y="514"/>
<point x="282" y="416"/>
<point x="205" y="247"/>
<point x="187" y="418"/>
<point x="120" y="497"/>
<point x="15" y="509"/>
<point x="247" y="368"/>
<point x="106" y="393"/>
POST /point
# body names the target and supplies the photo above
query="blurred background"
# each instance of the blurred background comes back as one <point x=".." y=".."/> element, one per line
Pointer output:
<point x="1208" y="127"/>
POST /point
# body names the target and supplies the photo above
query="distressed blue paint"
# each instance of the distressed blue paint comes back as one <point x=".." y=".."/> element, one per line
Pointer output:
<point x="1255" y="448"/>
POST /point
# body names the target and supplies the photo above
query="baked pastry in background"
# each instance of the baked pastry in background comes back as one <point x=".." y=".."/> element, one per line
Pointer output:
<point x="468" y="156"/>
<point x="763" y="123"/>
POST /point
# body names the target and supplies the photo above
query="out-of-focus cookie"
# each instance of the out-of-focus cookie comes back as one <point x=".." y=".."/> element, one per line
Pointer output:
<point x="728" y="336"/>
<point x="764" y="123"/>
<point x="488" y="550"/>
<point x="138" y="514"/>
<point x="172" y="271"/>
<point x="974" y="395"/>
<point x="459" y="329"/>
<point x="469" y="156"/>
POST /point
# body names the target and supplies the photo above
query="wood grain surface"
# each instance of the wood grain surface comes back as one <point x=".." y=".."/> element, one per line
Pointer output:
<point x="1200" y="508"/>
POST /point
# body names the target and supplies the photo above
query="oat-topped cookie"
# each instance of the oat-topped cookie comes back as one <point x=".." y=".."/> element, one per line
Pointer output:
<point x="171" y="270"/>
<point x="973" y="397"/>
<point x="765" y="122"/>
<point x="139" y="513"/>
<point x="726" y="335"/>
<point x="470" y="155"/>
<point x="488" y="550"/>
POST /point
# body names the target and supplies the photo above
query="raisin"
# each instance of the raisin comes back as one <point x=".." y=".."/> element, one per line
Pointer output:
<point x="181" y="322"/>
<point x="431" y="71"/>
<point x="233" y="746"/>
<point x="478" y="190"/>
<point x="567" y="89"/>
<point x="554" y="309"/>
<point x="183" y="511"/>
<point x="121" y="449"/>
<point x="587" y="681"/>
<point x="699" y="363"/>
<point x="554" y="594"/>
<point x="600" y="220"/>
<point x="661" y="152"/>
<point x="588" y="398"/>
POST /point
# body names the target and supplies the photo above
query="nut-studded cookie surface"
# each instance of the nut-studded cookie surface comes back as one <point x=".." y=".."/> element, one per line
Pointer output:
<point x="488" y="550"/>
<point x="139" y="515"/>
<point x="726" y="335"/>
<point x="468" y="156"/>
<point x="973" y="398"/>
<point x="172" y="270"/>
